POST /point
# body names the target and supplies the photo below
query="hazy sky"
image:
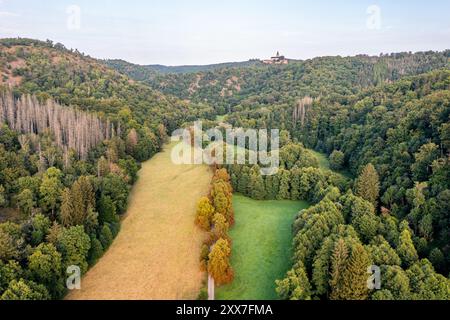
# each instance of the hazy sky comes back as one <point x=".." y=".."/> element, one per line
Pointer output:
<point x="175" y="32"/>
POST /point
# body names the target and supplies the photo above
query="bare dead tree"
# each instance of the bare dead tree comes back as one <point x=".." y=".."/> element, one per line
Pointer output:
<point x="71" y="128"/>
<point x="299" y="113"/>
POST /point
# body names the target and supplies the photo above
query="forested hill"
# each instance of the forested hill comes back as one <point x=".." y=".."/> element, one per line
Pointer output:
<point x="72" y="135"/>
<point x="145" y="72"/>
<point x="258" y="85"/>
<point x="72" y="78"/>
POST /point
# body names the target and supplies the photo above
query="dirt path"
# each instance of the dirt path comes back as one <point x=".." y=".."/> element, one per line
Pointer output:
<point x="156" y="254"/>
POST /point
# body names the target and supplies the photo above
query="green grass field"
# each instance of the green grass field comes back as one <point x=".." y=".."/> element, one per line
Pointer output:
<point x="262" y="244"/>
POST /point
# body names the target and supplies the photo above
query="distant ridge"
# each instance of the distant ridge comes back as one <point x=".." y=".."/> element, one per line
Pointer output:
<point x="144" y="70"/>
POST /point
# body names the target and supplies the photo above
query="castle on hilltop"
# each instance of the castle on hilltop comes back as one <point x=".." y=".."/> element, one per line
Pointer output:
<point x="278" y="59"/>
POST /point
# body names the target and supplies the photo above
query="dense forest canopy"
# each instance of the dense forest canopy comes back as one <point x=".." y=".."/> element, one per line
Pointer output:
<point x="257" y="86"/>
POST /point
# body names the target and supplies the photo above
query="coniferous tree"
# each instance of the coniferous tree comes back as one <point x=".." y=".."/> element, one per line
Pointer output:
<point x="102" y="167"/>
<point x="355" y="278"/>
<point x="72" y="129"/>
<point x="256" y="187"/>
<point x="67" y="210"/>
<point x="83" y="203"/>
<point x="295" y="184"/>
<point x="295" y="286"/>
<point x="339" y="262"/>
<point x="284" y="192"/>
<point x="106" y="237"/>
<point x="132" y="141"/>
<point x="268" y="186"/>
<point x="107" y="210"/>
<point x="368" y="185"/>
<point x="244" y="181"/>
<point x="406" y="250"/>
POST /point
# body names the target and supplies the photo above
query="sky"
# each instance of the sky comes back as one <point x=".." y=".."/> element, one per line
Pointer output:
<point x="176" y="32"/>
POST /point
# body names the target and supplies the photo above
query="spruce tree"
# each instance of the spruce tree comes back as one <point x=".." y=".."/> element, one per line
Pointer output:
<point x="272" y="186"/>
<point x="356" y="276"/>
<point x="368" y="185"/>
<point x="283" y="193"/>
<point x="295" y="286"/>
<point x="339" y="263"/>
<point x="67" y="210"/>
<point x="257" y="187"/>
<point x="406" y="250"/>
<point x="102" y="167"/>
<point x="244" y="181"/>
<point x="295" y="183"/>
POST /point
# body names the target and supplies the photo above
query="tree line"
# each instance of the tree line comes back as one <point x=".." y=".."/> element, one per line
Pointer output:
<point x="215" y="215"/>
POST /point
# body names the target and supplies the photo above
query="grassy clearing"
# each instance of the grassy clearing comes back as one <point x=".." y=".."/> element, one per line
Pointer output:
<point x="262" y="243"/>
<point x="222" y="118"/>
<point x="156" y="254"/>
<point x="324" y="163"/>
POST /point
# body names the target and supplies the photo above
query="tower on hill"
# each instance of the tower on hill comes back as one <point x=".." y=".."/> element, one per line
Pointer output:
<point x="278" y="59"/>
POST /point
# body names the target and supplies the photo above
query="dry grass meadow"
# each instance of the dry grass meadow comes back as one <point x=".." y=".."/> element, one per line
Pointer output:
<point x="156" y="254"/>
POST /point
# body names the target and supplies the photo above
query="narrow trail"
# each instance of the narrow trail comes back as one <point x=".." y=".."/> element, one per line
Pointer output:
<point x="156" y="254"/>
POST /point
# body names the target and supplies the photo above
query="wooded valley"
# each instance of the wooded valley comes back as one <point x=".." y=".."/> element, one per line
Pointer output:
<point x="74" y="132"/>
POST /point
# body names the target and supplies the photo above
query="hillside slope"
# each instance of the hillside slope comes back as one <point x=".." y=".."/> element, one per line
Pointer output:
<point x="255" y="86"/>
<point x="145" y="72"/>
<point x="72" y="78"/>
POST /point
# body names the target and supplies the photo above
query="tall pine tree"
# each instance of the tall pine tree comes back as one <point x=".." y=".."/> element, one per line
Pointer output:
<point x="368" y="185"/>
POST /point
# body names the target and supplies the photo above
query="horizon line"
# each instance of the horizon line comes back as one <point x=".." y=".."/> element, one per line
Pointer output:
<point x="228" y="62"/>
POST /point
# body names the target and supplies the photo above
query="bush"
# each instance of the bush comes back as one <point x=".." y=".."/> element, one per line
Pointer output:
<point x="106" y="237"/>
<point x="203" y="295"/>
<point x="106" y="210"/>
<point x="115" y="229"/>
<point x="25" y="290"/>
<point x="337" y="159"/>
<point x="96" y="251"/>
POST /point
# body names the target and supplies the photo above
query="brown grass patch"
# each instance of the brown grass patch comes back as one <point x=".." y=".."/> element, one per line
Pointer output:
<point x="155" y="256"/>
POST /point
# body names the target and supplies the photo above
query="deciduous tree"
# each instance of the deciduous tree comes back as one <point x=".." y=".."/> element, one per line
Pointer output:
<point x="219" y="263"/>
